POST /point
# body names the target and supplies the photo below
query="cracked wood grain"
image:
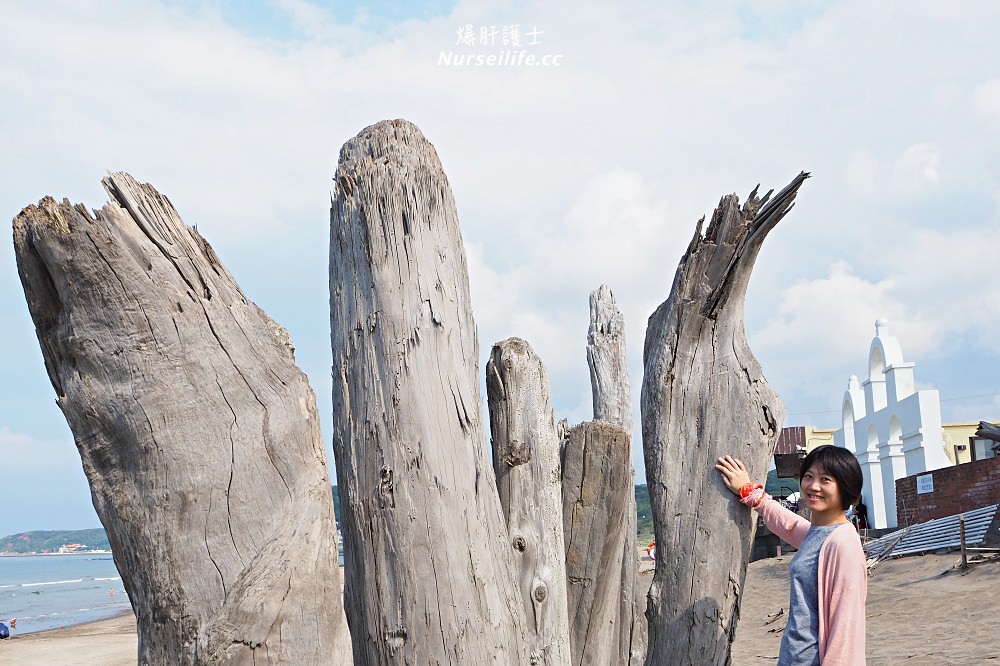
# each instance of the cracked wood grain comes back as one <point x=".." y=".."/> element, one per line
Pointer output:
<point x="429" y="574"/>
<point x="526" y="458"/>
<point x="198" y="434"/>
<point x="704" y="396"/>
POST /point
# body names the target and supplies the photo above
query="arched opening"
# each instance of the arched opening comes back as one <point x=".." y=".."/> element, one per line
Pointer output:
<point x="895" y="431"/>
<point x="848" y="423"/>
<point x="876" y="364"/>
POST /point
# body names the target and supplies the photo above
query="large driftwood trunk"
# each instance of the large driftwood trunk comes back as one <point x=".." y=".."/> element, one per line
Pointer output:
<point x="526" y="448"/>
<point x="703" y="396"/>
<point x="599" y="503"/>
<point x="612" y="397"/>
<point x="598" y="526"/>
<point x="198" y="434"/>
<point x="430" y="577"/>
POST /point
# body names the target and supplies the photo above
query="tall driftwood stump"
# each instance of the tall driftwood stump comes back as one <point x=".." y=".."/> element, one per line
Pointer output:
<point x="599" y="526"/>
<point x="198" y="434"/>
<point x="429" y="574"/>
<point x="526" y="451"/>
<point x="703" y="396"/>
<point x="598" y="489"/>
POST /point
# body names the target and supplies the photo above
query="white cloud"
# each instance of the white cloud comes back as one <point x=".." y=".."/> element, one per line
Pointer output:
<point x="917" y="168"/>
<point x="566" y="178"/>
<point x="986" y="99"/>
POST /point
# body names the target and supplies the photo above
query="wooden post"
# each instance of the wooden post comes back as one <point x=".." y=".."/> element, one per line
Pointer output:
<point x="198" y="434"/>
<point x="612" y="397"/>
<point x="526" y="446"/>
<point x="597" y="480"/>
<point x="704" y="396"/>
<point x="429" y="574"/>
<point x="961" y="529"/>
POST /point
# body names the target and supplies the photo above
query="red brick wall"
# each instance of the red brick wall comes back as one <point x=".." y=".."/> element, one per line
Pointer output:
<point x="956" y="489"/>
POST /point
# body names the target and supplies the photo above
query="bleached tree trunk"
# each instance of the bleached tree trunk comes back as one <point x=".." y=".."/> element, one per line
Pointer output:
<point x="430" y="577"/>
<point x="597" y="521"/>
<point x="611" y="392"/>
<point x="704" y="396"/>
<point x="612" y="398"/>
<point x="526" y="450"/>
<point x="197" y="432"/>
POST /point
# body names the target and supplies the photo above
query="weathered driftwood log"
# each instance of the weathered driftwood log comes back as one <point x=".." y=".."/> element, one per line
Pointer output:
<point x="612" y="398"/>
<point x="526" y="450"/>
<point x="198" y="434"/>
<point x="703" y="396"/>
<point x="429" y="573"/>
<point x="988" y="431"/>
<point x="609" y="381"/>
<point x="597" y="521"/>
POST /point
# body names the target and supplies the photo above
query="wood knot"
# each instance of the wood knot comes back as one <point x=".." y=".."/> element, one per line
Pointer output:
<point x="540" y="592"/>
<point x="520" y="544"/>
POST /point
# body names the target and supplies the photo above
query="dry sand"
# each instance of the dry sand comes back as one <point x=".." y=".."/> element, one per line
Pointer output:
<point x="919" y="612"/>
<point x="107" y="643"/>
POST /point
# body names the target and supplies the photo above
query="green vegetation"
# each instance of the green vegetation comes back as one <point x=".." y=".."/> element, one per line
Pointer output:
<point x="49" y="541"/>
<point x="643" y="514"/>
<point x="778" y="487"/>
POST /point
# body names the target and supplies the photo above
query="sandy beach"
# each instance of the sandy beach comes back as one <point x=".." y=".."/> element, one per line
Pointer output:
<point x="108" y="643"/>
<point x="920" y="612"/>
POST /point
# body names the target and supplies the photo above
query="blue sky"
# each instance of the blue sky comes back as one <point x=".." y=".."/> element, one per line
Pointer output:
<point x="593" y="171"/>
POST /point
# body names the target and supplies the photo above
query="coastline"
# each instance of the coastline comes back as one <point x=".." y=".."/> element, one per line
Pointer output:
<point x="914" y="606"/>
<point x="110" y="642"/>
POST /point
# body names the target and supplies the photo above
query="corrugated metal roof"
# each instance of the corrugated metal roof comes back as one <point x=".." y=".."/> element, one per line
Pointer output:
<point x="934" y="534"/>
<point x="791" y="440"/>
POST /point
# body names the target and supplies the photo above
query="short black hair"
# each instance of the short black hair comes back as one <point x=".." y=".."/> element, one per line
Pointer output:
<point x="842" y="466"/>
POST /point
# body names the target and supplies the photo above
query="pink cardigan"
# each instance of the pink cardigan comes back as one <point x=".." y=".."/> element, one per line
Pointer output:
<point x="843" y="584"/>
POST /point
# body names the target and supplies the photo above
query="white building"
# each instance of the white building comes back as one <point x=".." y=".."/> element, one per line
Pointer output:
<point x="892" y="429"/>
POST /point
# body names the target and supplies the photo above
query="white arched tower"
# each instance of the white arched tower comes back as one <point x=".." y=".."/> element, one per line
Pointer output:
<point x="893" y="429"/>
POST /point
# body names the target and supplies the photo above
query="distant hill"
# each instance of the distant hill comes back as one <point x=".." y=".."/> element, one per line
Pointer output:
<point x="96" y="539"/>
<point x="49" y="541"/>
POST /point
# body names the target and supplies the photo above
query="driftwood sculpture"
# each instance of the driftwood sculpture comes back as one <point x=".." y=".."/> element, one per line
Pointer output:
<point x="197" y="432"/>
<point x="703" y="396"/>
<point x="430" y="578"/>
<point x="599" y="517"/>
<point x="526" y="459"/>
<point x="583" y="498"/>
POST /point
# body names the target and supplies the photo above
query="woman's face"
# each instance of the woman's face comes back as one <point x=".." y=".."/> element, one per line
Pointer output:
<point x="820" y="492"/>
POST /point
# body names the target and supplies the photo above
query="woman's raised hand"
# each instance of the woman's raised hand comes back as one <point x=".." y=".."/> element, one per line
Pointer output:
<point x="734" y="473"/>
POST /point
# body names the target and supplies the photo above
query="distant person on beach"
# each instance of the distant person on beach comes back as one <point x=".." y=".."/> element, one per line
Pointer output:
<point x="861" y="513"/>
<point x="829" y="576"/>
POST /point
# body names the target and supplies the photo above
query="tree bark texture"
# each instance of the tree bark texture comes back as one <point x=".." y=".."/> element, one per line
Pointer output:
<point x="526" y="449"/>
<point x="704" y="396"/>
<point x="197" y="432"/>
<point x="430" y="577"/>
<point x="606" y="357"/>
<point x="597" y="482"/>
<point x="612" y="398"/>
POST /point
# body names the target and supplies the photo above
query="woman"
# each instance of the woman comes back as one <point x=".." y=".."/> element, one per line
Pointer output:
<point x="829" y="577"/>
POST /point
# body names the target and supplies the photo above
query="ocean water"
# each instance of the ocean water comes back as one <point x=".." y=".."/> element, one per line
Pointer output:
<point x="53" y="591"/>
